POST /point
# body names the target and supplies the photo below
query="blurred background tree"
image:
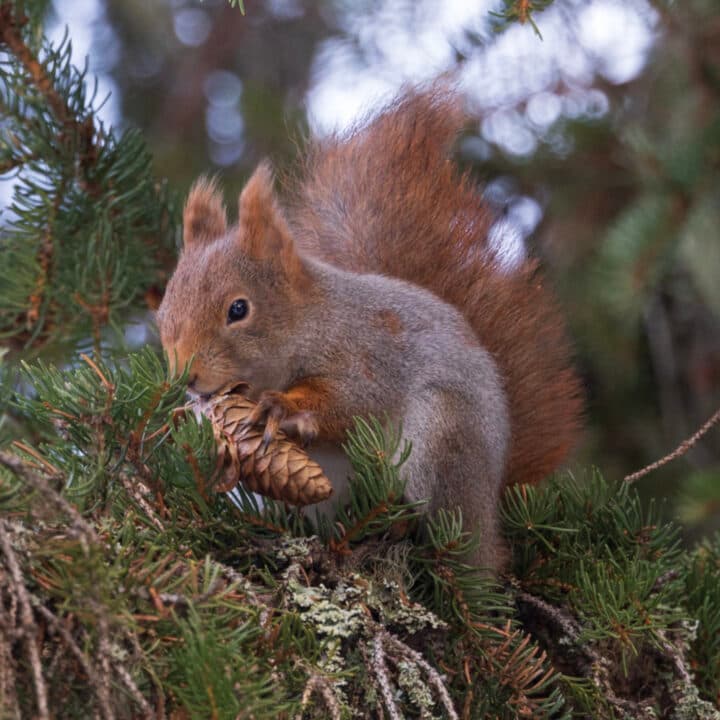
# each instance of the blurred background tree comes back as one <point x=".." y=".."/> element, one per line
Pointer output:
<point x="598" y="144"/>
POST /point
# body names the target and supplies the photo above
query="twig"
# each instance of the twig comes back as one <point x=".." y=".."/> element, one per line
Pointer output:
<point x="27" y="620"/>
<point x="249" y="593"/>
<point x="597" y="669"/>
<point x="163" y="601"/>
<point x="17" y="161"/>
<point x="49" y="468"/>
<point x="319" y="683"/>
<point x="380" y="668"/>
<point x="678" y="452"/>
<point x="9" y="706"/>
<point x="88" y="669"/>
<point x="96" y="682"/>
<point x="133" y="688"/>
<point x="35" y="480"/>
<point x="106" y="383"/>
<point x="434" y="676"/>
<point x="342" y="546"/>
<point x="99" y="314"/>
<point x="133" y="490"/>
<point x="560" y="619"/>
<point x="104" y="656"/>
<point x="677" y="658"/>
<point x="45" y="257"/>
<point x="384" y="640"/>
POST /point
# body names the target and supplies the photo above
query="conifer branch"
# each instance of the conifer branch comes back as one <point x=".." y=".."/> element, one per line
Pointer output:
<point x="164" y="582"/>
<point x="45" y="259"/>
<point x="35" y="480"/>
<point x="86" y="203"/>
<point x="354" y="531"/>
<point x="17" y="161"/>
<point x="82" y="129"/>
<point x="10" y="24"/>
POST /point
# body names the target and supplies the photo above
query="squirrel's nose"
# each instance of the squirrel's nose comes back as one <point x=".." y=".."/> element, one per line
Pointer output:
<point x="191" y="380"/>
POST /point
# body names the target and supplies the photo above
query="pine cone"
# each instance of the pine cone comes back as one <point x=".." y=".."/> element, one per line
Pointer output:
<point x="282" y="471"/>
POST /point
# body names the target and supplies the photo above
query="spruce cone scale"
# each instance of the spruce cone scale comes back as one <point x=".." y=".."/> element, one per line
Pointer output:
<point x="282" y="471"/>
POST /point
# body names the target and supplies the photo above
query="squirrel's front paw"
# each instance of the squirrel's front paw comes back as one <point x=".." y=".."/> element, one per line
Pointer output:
<point x="302" y="425"/>
<point x="278" y="412"/>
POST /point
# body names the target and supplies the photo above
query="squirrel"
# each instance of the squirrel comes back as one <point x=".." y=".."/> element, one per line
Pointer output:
<point x="375" y="291"/>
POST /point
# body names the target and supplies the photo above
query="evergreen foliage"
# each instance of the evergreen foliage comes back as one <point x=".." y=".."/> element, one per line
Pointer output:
<point x="702" y="587"/>
<point x="130" y="588"/>
<point x="521" y="11"/>
<point x="150" y="591"/>
<point x="89" y="231"/>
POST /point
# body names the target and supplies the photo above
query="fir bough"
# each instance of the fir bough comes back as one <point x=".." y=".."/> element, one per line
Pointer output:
<point x="89" y="231"/>
<point x="184" y="600"/>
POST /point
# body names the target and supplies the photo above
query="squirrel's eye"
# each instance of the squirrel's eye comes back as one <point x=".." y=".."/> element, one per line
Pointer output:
<point x="238" y="310"/>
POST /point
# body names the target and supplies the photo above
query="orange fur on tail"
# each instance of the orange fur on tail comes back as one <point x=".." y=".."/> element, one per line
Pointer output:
<point x="386" y="198"/>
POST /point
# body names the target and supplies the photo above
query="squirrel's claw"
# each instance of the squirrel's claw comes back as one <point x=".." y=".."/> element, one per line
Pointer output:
<point x="303" y="426"/>
<point x="277" y="414"/>
<point x="274" y="416"/>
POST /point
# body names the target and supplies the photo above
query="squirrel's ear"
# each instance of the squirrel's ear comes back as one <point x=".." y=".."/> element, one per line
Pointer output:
<point x="204" y="217"/>
<point x="262" y="230"/>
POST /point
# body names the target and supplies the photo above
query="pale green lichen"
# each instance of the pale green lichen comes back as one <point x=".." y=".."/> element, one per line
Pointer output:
<point x="411" y="682"/>
<point x="319" y="607"/>
<point x="295" y="549"/>
<point x="394" y="608"/>
<point x="691" y="706"/>
<point x="345" y="617"/>
<point x="338" y="612"/>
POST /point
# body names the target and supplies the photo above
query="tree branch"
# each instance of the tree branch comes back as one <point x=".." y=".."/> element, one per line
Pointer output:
<point x="27" y="620"/>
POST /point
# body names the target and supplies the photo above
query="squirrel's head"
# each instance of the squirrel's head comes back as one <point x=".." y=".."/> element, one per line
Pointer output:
<point x="237" y="293"/>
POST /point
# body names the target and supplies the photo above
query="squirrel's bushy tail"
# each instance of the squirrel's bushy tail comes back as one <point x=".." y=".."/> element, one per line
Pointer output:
<point x="386" y="198"/>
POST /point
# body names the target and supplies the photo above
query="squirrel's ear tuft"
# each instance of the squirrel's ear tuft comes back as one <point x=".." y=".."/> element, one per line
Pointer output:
<point x="259" y="215"/>
<point x="204" y="217"/>
<point x="257" y="204"/>
<point x="262" y="230"/>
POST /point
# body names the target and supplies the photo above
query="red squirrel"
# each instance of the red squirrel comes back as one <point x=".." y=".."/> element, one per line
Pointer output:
<point x="375" y="291"/>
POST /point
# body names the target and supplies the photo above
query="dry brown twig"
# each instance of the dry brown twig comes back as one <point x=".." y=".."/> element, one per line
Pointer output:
<point x="595" y="667"/>
<point x="134" y="690"/>
<point x="382" y="675"/>
<point x="137" y="490"/>
<point x="103" y="657"/>
<point x="87" y="666"/>
<point x="9" y="704"/>
<point x="385" y="642"/>
<point x="320" y="684"/>
<point x="678" y="452"/>
<point x="27" y="620"/>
